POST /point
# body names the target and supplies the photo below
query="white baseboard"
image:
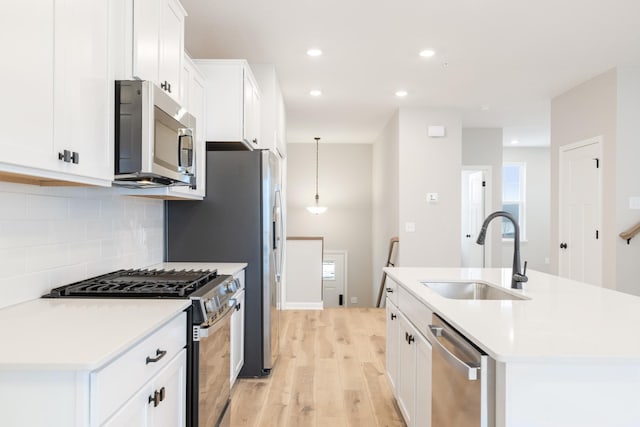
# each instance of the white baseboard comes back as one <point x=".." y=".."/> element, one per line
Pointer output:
<point x="303" y="306"/>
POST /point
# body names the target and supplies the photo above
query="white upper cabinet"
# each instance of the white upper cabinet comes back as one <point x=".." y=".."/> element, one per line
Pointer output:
<point x="233" y="102"/>
<point x="193" y="100"/>
<point x="272" y="113"/>
<point x="158" y="43"/>
<point x="83" y="91"/>
<point x="56" y="115"/>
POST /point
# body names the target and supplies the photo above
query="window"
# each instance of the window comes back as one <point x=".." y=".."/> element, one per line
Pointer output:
<point x="328" y="270"/>
<point x="513" y="198"/>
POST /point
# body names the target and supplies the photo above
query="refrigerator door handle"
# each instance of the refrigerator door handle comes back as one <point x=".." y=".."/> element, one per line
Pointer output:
<point x="278" y="236"/>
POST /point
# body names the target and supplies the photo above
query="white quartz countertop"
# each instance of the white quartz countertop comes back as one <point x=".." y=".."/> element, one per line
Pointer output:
<point x="562" y="320"/>
<point x="222" y="267"/>
<point x="77" y="334"/>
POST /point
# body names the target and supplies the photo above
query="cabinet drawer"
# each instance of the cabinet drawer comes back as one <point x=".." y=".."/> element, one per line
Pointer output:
<point x="391" y="288"/>
<point x="418" y="313"/>
<point x="117" y="382"/>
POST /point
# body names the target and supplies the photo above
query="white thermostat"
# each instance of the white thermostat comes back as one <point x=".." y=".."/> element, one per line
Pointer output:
<point x="435" y="131"/>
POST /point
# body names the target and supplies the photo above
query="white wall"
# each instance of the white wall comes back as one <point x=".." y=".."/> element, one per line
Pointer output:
<point x="304" y="274"/>
<point x="52" y="236"/>
<point x="429" y="165"/>
<point x="628" y="178"/>
<point x="536" y="248"/>
<point x="586" y="111"/>
<point x="346" y="189"/>
<point x="483" y="147"/>
<point x="385" y="197"/>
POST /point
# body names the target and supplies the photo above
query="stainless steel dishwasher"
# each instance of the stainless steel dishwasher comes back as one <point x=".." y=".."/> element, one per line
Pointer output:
<point x="463" y="380"/>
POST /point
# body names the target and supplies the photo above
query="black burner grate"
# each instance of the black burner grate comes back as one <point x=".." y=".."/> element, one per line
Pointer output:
<point x="141" y="283"/>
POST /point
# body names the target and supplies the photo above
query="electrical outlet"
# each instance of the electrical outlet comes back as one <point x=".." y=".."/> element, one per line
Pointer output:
<point x="410" y="227"/>
<point x="354" y="300"/>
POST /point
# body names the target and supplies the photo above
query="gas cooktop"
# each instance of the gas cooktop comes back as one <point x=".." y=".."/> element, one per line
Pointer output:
<point x="138" y="283"/>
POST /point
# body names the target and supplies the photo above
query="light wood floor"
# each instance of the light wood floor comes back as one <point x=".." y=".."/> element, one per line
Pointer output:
<point x="331" y="372"/>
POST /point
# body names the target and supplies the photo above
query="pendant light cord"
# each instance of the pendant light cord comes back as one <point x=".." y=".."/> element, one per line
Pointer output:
<point x="317" y="144"/>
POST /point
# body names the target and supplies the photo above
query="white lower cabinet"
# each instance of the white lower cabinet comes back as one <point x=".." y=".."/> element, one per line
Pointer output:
<point x="237" y="338"/>
<point x="409" y="367"/>
<point x="160" y="402"/>
<point x="237" y="331"/>
<point x="393" y="333"/>
<point x="122" y="392"/>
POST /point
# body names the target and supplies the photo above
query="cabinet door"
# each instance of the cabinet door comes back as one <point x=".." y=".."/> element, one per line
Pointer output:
<point x="146" y="26"/>
<point x="237" y="338"/>
<point x="134" y="413"/>
<point x="407" y="370"/>
<point x="251" y="113"/>
<point x="26" y="113"/>
<point x="170" y="384"/>
<point x="393" y="327"/>
<point x="171" y="47"/>
<point x="281" y="125"/>
<point x="82" y="88"/>
<point x="423" y="383"/>
<point x="193" y="99"/>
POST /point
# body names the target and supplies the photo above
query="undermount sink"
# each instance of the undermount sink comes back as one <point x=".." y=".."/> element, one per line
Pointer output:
<point x="471" y="291"/>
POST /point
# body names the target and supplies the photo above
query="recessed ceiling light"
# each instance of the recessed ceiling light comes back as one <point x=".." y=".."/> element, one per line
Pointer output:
<point x="515" y="141"/>
<point x="484" y="107"/>
<point x="427" y="53"/>
<point x="401" y="93"/>
<point x="315" y="92"/>
<point x="314" y="52"/>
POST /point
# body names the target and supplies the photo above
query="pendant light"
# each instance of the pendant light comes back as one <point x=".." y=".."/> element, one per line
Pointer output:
<point x="316" y="209"/>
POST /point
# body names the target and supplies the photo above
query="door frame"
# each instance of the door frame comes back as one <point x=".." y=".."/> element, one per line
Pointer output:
<point x="488" y="204"/>
<point x="346" y="272"/>
<point x="562" y="152"/>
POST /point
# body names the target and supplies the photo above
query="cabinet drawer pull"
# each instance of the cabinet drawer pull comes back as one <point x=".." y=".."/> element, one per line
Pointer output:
<point x="159" y="355"/>
<point x="410" y="339"/>
<point x="389" y="290"/>
<point x="393" y="316"/>
<point x="162" y="394"/>
<point x="238" y="307"/>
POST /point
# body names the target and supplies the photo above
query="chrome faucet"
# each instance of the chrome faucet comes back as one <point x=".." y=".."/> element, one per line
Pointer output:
<point x="517" y="278"/>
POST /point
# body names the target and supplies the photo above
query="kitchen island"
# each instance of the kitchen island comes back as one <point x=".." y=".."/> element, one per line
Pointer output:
<point x="567" y="355"/>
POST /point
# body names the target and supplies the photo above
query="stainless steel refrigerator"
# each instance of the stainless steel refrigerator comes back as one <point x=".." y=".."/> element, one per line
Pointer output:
<point x="239" y="220"/>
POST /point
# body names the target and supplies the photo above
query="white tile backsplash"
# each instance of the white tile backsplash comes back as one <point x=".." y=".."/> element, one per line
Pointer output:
<point x="52" y="236"/>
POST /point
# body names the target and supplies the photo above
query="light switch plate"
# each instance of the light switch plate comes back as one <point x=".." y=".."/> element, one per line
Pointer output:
<point x="433" y="197"/>
<point x="410" y="227"/>
<point x="634" y="202"/>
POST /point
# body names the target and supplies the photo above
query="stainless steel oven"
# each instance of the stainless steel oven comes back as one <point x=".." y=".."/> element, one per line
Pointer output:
<point x="212" y="357"/>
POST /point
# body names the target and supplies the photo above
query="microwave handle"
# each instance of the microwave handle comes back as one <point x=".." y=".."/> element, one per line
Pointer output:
<point x="180" y="139"/>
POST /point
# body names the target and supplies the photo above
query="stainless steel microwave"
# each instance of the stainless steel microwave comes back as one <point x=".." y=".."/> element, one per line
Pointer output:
<point x="154" y="141"/>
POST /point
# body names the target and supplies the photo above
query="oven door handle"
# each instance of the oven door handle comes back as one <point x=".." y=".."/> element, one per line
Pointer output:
<point x="205" y="332"/>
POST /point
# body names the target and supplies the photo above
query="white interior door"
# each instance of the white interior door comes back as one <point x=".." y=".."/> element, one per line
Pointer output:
<point x="580" y="212"/>
<point x="473" y="213"/>
<point x="334" y="279"/>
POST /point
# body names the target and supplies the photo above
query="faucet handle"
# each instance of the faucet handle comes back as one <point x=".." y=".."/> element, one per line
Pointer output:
<point x="521" y="277"/>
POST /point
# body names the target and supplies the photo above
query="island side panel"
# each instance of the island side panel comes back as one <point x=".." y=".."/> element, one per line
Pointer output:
<point x="579" y="394"/>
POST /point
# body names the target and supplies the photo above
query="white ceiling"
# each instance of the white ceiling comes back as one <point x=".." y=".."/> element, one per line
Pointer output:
<point x="510" y="55"/>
